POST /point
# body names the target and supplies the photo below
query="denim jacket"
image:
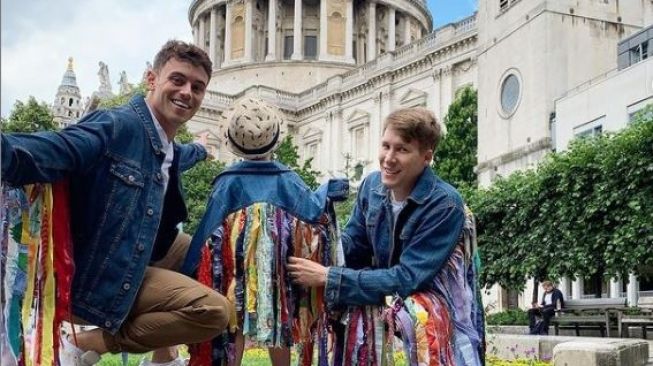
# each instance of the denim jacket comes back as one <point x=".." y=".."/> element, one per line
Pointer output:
<point x="247" y="182"/>
<point x="384" y="256"/>
<point x="113" y="160"/>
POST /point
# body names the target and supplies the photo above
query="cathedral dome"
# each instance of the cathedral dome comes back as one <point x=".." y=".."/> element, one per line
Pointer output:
<point x="293" y="45"/>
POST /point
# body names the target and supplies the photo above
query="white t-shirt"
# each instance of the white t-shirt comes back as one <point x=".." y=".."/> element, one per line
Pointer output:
<point x="168" y="149"/>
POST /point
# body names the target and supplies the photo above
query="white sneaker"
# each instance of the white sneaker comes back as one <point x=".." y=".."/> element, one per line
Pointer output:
<point x="176" y="362"/>
<point x="70" y="355"/>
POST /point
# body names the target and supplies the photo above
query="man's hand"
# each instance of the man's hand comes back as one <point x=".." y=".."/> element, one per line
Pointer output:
<point x="306" y="272"/>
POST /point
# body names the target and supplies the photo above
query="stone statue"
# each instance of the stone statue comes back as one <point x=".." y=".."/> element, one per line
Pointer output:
<point x="125" y="86"/>
<point x="148" y="67"/>
<point x="105" y="82"/>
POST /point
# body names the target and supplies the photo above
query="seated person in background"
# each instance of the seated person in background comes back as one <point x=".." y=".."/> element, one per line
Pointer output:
<point x="552" y="300"/>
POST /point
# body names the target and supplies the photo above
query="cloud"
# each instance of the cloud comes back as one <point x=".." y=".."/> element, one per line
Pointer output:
<point x="38" y="36"/>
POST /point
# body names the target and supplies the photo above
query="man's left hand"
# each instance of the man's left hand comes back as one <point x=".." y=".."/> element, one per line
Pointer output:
<point x="306" y="272"/>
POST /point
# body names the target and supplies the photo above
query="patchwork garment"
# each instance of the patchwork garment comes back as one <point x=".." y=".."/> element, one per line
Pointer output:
<point x="35" y="245"/>
<point x="245" y="259"/>
<point x="442" y="326"/>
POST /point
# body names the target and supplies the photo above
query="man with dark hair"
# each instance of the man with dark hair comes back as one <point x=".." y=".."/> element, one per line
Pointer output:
<point x="552" y="300"/>
<point x="126" y="204"/>
<point x="404" y="239"/>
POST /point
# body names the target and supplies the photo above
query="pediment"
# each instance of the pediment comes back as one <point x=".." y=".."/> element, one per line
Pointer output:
<point x="413" y="98"/>
<point x="312" y="134"/>
<point x="357" y="118"/>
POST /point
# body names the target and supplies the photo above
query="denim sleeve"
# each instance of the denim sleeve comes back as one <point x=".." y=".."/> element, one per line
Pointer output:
<point x="49" y="156"/>
<point x="190" y="154"/>
<point x="421" y="259"/>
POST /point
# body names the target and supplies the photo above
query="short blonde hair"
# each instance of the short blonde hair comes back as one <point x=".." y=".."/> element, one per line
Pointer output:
<point x="415" y="123"/>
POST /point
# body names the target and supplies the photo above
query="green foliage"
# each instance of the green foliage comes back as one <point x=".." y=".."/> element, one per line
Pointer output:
<point x="509" y="317"/>
<point x="29" y="117"/>
<point x="287" y="154"/>
<point x="119" y="100"/>
<point x="585" y="211"/>
<point x="343" y="209"/>
<point x="455" y="157"/>
<point x="197" y="183"/>
<point x="197" y="187"/>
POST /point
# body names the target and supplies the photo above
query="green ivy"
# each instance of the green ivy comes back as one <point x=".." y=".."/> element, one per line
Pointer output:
<point x="584" y="211"/>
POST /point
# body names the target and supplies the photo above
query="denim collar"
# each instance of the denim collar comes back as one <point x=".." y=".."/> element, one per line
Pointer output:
<point x="421" y="191"/>
<point x="256" y="167"/>
<point x="138" y="103"/>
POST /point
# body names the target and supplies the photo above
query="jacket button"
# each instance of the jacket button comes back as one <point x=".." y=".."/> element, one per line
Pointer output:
<point x="158" y="176"/>
<point x="150" y="212"/>
<point x="141" y="247"/>
<point x="126" y="286"/>
<point x="107" y="324"/>
<point x="131" y="178"/>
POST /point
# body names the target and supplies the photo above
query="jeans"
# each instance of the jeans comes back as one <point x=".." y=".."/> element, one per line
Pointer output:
<point x="541" y="327"/>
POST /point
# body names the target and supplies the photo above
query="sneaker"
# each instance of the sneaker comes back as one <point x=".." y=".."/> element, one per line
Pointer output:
<point x="176" y="362"/>
<point x="71" y="355"/>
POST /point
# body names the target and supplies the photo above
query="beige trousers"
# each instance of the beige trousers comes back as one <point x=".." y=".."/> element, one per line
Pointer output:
<point x="170" y="308"/>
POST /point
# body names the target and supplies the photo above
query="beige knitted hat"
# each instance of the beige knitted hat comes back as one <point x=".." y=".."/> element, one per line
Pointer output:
<point x="253" y="128"/>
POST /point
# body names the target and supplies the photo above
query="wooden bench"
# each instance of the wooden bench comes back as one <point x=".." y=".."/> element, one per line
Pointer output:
<point x="644" y="320"/>
<point x="598" y="314"/>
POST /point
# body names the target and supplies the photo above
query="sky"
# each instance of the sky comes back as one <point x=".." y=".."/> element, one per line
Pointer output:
<point x="38" y="36"/>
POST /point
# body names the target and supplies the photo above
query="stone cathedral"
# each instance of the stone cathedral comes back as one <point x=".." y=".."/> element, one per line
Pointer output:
<point x="336" y="68"/>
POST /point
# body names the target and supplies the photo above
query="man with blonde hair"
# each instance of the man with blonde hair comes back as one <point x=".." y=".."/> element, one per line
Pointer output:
<point x="404" y="240"/>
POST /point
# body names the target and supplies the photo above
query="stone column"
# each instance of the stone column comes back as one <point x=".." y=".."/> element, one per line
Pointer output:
<point x="577" y="289"/>
<point x="219" y="40"/>
<point x="297" y="52"/>
<point x="349" y="31"/>
<point x="632" y="292"/>
<point x="406" y="29"/>
<point x="213" y="37"/>
<point x="391" y="29"/>
<point x="272" y="31"/>
<point x="615" y="288"/>
<point x="196" y="33"/>
<point x="563" y="286"/>
<point x="371" y="31"/>
<point x="323" y="30"/>
<point x="202" y="28"/>
<point x="227" y="34"/>
<point x="249" y="14"/>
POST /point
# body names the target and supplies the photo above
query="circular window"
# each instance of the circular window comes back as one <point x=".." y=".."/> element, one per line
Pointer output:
<point x="510" y="90"/>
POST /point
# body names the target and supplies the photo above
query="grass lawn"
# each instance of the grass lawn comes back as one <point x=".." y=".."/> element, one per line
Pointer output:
<point x="259" y="357"/>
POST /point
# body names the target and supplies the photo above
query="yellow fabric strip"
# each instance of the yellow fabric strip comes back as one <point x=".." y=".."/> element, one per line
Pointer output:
<point x="47" y="354"/>
<point x="250" y="259"/>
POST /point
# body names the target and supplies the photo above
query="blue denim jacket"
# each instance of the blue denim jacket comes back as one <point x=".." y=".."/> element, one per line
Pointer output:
<point x="113" y="160"/>
<point x="384" y="256"/>
<point x="247" y="182"/>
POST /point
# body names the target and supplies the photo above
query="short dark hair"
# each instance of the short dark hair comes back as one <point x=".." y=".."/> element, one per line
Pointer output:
<point x="415" y="123"/>
<point x="182" y="51"/>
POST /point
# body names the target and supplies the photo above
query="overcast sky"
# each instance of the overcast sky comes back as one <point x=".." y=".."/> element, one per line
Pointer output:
<point x="38" y="36"/>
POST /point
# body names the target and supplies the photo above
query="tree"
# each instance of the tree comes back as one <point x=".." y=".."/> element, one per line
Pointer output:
<point x="287" y="154"/>
<point x="29" y="117"/>
<point x="455" y="158"/>
<point x="197" y="182"/>
<point x="585" y="212"/>
<point x="119" y="100"/>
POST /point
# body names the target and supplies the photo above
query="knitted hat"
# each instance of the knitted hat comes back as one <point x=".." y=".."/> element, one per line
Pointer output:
<point x="253" y="128"/>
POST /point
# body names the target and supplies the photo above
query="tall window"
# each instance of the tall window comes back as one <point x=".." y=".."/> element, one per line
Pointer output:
<point x="310" y="47"/>
<point x="288" y="47"/>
